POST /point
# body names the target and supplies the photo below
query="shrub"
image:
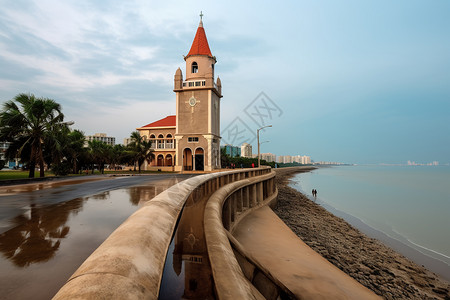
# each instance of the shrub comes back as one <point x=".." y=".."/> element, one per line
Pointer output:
<point x="61" y="169"/>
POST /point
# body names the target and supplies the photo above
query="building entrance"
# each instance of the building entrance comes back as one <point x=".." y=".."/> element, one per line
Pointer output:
<point x="199" y="160"/>
<point x="187" y="159"/>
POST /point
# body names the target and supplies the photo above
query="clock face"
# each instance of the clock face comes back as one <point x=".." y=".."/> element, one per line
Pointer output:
<point x="192" y="101"/>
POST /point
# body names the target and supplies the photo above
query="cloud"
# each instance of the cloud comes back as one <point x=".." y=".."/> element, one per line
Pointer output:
<point x="117" y="120"/>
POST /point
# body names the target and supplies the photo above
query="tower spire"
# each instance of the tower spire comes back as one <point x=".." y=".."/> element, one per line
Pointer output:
<point x="201" y="19"/>
<point x="200" y="44"/>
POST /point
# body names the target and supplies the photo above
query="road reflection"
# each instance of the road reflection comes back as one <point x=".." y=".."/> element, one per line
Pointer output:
<point x="38" y="233"/>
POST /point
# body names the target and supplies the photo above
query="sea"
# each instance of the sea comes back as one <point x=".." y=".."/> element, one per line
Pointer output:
<point x="406" y="207"/>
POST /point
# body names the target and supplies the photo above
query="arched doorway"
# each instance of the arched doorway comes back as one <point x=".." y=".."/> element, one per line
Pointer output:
<point x="199" y="159"/>
<point x="187" y="159"/>
<point x="168" y="160"/>
<point x="160" y="160"/>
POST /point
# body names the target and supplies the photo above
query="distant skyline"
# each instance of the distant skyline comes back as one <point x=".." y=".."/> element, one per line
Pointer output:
<point x="353" y="82"/>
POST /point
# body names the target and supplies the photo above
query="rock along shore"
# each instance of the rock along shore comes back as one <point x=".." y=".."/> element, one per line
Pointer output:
<point x="374" y="265"/>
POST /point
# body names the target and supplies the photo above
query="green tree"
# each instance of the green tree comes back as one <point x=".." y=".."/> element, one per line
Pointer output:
<point x="100" y="154"/>
<point x="118" y="155"/>
<point x="75" y="148"/>
<point x="28" y="121"/>
<point x="140" y="150"/>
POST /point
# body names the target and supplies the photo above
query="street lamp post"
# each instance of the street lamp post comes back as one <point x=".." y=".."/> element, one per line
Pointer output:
<point x="257" y="136"/>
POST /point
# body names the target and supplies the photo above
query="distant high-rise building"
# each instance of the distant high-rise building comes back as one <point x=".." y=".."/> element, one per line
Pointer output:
<point x="246" y="150"/>
<point x="269" y="157"/>
<point x="306" y="160"/>
<point x="297" y="159"/>
<point x="127" y="141"/>
<point x="100" y="137"/>
<point x="285" y="159"/>
<point x="231" y="150"/>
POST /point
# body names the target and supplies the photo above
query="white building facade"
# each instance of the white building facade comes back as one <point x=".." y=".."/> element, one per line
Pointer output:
<point x="246" y="150"/>
<point x="269" y="157"/>
<point x="102" y="137"/>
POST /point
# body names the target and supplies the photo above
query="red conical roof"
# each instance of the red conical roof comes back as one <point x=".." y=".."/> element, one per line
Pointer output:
<point x="200" y="45"/>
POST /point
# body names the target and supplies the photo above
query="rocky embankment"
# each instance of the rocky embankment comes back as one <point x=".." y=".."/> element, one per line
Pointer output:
<point x="374" y="265"/>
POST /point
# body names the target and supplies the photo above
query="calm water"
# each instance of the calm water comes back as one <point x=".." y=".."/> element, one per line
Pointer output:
<point x="408" y="203"/>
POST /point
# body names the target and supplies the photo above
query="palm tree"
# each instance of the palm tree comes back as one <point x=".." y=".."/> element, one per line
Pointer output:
<point x="100" y="154"/>
<point x="28" y="121"/>
<point x="141" y="149"/>
<point x="117" y="155"/>
<point x="75" y="148"/>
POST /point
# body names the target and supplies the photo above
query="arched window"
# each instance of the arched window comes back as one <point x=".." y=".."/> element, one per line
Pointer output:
<point x="152" y="141"/>
<point x="169" y="141"/>
<point x="194" y="67"/>
<point x="160" y="141"/>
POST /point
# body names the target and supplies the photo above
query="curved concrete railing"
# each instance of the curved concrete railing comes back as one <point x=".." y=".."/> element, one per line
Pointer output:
<point x="129" y="263"/>
<point x="223" y="211"/>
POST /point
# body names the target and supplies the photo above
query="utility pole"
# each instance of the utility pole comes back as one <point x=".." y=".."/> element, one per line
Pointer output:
<point x="257" y="136"/>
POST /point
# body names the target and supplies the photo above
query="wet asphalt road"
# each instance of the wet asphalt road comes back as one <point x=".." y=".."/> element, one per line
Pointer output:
<point x="48" y="229"/>
<point x="14" y="200"/>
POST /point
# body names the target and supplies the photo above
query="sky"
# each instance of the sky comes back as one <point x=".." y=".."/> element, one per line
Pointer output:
<point x="346" y="81"/>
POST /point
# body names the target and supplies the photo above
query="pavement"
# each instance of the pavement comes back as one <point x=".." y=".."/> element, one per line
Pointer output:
<point x="302" y="270"/>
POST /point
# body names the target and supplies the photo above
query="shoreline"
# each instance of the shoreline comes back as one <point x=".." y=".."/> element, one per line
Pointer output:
<point x="431" y="263"/>
<point x="370" y="261"/>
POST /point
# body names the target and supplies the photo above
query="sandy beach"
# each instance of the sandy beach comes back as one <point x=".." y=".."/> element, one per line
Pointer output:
<point x="374" y="265"/>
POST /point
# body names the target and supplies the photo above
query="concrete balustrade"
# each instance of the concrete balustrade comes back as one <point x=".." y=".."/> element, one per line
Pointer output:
<point x="129" y="263"/>
<point x="225" y="208"/>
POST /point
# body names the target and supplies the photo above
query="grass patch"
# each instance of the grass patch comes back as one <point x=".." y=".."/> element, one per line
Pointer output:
<point x="6" y="175"/>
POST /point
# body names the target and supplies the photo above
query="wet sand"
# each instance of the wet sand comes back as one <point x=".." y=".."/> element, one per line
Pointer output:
<point x="374" y="265"/>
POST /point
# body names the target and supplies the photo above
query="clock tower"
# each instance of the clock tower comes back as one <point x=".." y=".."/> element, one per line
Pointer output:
<point x="197" y="135"/>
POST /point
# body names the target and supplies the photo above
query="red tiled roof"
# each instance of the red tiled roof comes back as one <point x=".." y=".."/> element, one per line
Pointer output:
<point x="200" y="45"/>
<point x="166" y="122"/>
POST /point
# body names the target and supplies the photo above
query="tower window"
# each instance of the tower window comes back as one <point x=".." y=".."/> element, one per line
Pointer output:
<point x="194" y="67"/>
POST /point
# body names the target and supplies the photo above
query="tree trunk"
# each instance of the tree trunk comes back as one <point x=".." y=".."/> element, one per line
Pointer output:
<point x="32" y="165"/>
<point x="41" y="163"/>
<point x="74" y="165"/>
